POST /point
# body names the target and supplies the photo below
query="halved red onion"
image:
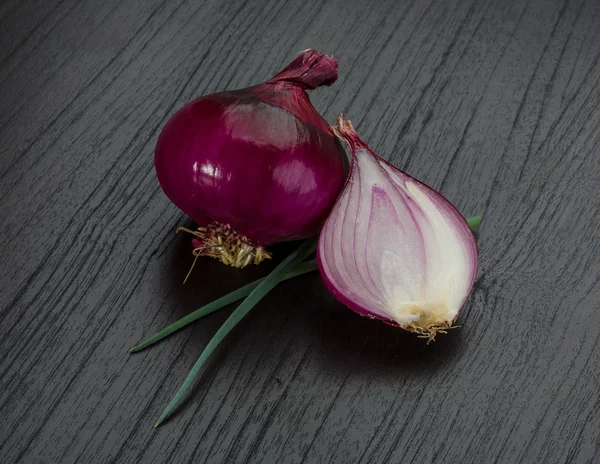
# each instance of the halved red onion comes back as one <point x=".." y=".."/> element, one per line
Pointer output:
<point x="393" y="248"/>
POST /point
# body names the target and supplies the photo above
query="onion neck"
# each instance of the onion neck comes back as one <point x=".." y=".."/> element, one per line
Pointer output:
<point x="344" y="130"/>
<point x="309" y="70"/>
<point x="291" y="97"/>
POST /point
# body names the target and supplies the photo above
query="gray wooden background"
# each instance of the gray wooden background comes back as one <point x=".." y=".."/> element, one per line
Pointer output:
<point x="496" y="103"/>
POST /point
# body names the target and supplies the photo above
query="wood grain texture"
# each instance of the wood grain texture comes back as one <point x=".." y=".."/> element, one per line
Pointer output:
<point x="495" y="103"/>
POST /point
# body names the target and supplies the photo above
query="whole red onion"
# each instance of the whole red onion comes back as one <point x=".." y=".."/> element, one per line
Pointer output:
<point x="255" y="166"/>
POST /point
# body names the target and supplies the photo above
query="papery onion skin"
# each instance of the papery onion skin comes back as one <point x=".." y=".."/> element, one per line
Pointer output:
<point x="393" y="248"/>
<point x="261" y="160"/>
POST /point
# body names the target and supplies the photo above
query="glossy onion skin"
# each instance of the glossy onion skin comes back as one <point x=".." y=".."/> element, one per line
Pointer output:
<point x="260" y="159"/>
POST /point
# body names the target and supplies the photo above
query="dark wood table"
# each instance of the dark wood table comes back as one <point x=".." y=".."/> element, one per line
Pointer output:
<point x="494" y="103"/>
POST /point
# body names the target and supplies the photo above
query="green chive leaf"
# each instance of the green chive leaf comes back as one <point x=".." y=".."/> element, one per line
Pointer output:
<point x="289" y="263"/>
<point x="474" y="222"/>
<point x="226" y="300"/>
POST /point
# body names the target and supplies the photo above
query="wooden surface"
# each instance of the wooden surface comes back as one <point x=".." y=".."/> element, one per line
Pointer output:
<point x="495" y="103"/>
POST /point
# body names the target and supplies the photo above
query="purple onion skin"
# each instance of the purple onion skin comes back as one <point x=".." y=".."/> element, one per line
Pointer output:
<point x="260" y="159"/>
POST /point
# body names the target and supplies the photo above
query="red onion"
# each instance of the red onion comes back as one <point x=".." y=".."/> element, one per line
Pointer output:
<point x="256" y="166"/>
<point x="393" y="248"/>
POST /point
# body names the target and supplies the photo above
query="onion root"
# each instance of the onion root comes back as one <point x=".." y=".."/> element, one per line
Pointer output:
<point x="221" y="242"/>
